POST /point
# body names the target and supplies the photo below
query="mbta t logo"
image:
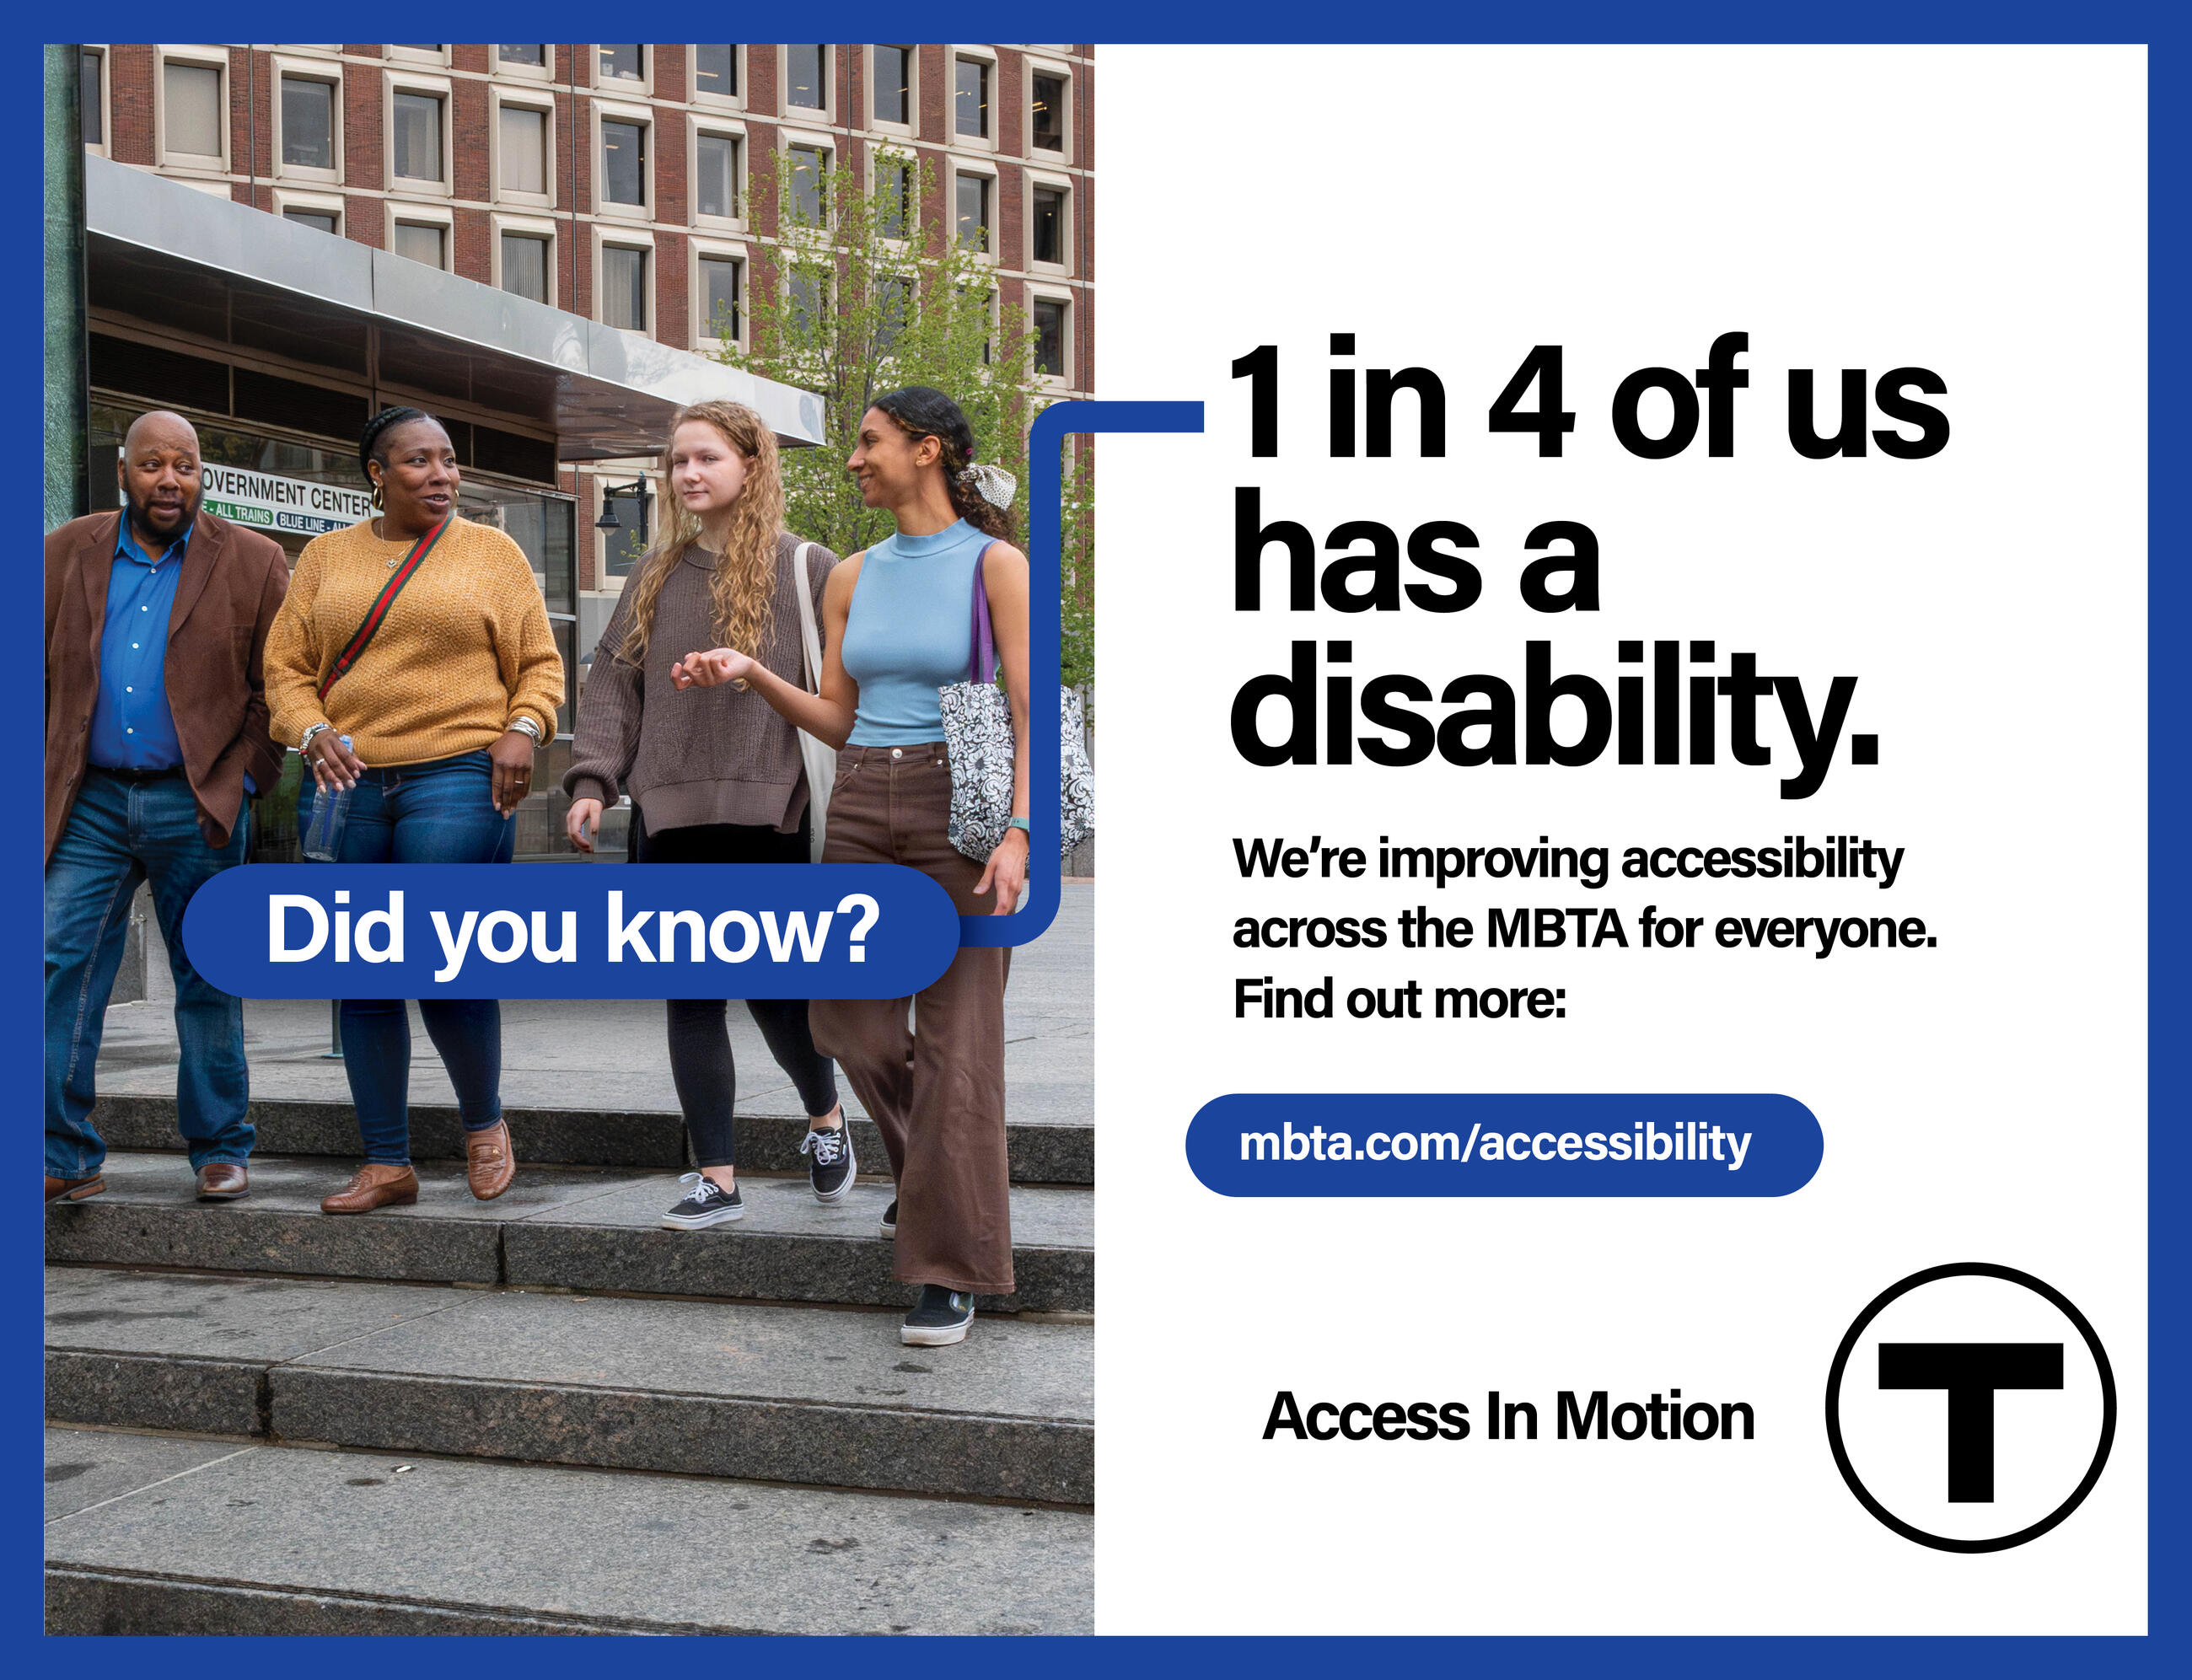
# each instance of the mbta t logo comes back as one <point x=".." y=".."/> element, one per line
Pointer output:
<point x="1971" y="1408"/>
<point x="1971" y="1374"/>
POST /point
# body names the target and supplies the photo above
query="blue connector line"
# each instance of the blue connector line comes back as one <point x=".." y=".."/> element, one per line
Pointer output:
<point x="1045" y="565"/>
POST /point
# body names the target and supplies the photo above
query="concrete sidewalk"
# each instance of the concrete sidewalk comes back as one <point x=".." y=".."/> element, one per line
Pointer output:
<point x="611" y="1054"/>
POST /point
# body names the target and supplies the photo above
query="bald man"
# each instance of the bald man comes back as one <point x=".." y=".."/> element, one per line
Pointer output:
<point x="155" y="737"/>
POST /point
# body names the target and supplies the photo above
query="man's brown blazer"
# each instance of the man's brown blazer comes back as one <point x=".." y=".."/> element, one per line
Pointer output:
<point x="231" y="585"/>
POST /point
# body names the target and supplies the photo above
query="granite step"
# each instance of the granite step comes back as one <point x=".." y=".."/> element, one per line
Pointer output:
<point x="800" y="1394"/>
<point x="592" y="1230"/>
<point x="1040" y="1153"/>
<point x="152" y="1534"/>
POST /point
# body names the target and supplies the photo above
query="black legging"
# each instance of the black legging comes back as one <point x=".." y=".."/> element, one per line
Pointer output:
<point x="699" y="1030"/>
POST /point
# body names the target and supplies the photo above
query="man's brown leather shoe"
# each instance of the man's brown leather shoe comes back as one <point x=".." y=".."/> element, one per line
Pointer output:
<point x="223" y="1181"/>
<point x="374" y="1185"/>
<point x="72" y="1189"/>
<point x="488" y="1164"/>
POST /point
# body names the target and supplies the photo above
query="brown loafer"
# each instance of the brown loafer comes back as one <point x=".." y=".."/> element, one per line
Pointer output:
<point x="72" y="1189"/>
<point x="223" y="1181"/>
<point x="374" y="1185"/>
<point x="488" y="1164"/>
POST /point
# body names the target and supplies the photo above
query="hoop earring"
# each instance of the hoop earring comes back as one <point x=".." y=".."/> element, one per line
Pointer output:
<point x="376" y="495"/>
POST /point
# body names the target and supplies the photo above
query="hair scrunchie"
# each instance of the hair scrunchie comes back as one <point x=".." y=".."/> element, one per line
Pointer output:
<point x="993" y="484"/>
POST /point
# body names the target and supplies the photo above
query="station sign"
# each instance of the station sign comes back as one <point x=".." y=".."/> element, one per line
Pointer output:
<point x="268" y="502"/>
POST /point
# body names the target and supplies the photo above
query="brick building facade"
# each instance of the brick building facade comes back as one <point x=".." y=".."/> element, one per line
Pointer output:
<point x="610" y="180"/>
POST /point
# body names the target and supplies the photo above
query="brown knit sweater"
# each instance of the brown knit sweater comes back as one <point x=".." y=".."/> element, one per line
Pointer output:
<point x="707" y="754"/>
<point x="465" y="649"/>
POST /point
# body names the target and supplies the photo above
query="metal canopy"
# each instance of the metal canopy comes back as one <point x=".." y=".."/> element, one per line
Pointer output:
<point x="174" y="256"/>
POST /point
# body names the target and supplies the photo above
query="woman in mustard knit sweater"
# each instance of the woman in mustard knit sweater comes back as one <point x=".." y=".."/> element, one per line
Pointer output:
<point x="423" y="638"/>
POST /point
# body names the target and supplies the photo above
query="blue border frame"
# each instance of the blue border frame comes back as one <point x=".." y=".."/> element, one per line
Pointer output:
<point x="1045" y="565"/>
<point x="2165" y="1649"/>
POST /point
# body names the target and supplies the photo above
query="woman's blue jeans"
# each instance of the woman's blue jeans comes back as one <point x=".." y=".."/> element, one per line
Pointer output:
<point x="436" y="813"/>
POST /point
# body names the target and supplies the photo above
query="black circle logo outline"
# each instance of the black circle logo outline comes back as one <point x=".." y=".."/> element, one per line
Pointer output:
<point x="1970" y="1268"/>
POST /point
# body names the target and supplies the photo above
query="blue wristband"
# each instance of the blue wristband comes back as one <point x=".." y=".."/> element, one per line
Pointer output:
<point x="1021" y="823"/>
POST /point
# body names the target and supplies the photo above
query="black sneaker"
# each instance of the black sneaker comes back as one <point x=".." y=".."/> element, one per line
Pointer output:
<point x="706" y="1202"/>
<point x="832" y="1168"/>
<point x="890" y="1218"/>
<point x="938" y="1318"/>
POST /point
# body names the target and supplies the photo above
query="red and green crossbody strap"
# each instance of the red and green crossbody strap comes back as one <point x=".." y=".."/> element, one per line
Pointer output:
<point x="377" y="614"/>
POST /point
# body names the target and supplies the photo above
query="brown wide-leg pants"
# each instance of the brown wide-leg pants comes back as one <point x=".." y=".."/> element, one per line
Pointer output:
<point x="935" y="1091"/>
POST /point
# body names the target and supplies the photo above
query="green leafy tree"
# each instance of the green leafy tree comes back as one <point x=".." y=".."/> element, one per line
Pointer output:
<point x="861" y="295"/>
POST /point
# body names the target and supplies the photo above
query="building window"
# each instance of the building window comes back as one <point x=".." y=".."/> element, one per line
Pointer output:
<point x="308" y="123"/>
<point x="624" y="548"/>
<point x="810" y="169"/>
<point x="720" y="278"/>
<point x="894" y="199"/>
<point x="716" y="193"/>
<point x="525" y="265"/>
<point x="92" y="99"/>
<point x="807" y="77"/>
<point x="895" y="84"/>
<point x="807" y="302"/>
<point x="421" y="241"/>
<point x="624" y="63"/>
<point x="193" y="111"/>
<point x="893" y="300"/>
<point x="523" y="139"/>
<point x="989" y="307"/>
<point x="1046" y="226"/>
<point x="533" y="55"/>
<point x="319" y="221"/>
<point x="624" y="162"/>
<point x="1049" y="102"/>
<point x="418" y="139"/>
<point x="974" y="212"/>
<point x="624" y="288"/>
<point x="1050" y="337"/>
<point x="970" y="97"/>
<point x="715" y="71"/>
<point x="625" y="542"/>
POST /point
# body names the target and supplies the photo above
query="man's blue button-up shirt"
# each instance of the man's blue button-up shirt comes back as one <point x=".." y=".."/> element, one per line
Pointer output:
<point x="131" y="726"/>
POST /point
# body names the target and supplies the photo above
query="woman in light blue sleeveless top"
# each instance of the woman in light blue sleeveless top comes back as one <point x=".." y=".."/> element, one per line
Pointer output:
<point x="898" y="619"/>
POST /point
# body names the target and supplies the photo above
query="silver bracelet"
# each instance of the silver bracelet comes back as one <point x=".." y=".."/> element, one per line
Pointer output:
<point x="525" y="726"/>
<point x="305" y="745"/>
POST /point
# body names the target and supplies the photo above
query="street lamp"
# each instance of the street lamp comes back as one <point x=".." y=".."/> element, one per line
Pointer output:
<point x="636" y="491"/>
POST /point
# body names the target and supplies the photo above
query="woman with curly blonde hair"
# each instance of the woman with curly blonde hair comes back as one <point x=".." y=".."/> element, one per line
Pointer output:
<point x="714" y="775"/>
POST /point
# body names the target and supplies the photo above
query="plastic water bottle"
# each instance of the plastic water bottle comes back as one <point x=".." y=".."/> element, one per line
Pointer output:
<point x="330" y="811"/>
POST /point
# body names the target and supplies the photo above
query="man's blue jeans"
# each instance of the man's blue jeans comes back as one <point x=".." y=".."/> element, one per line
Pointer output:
<point x="437" y="812"/>
<point x="120" y="833"/>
